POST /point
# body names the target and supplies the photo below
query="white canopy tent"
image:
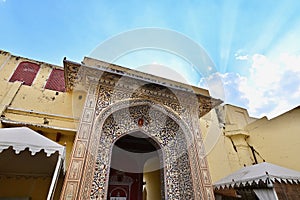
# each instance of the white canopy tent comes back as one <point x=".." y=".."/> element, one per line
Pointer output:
<point x="263" y="172"/>
<point x="41" y="157"/>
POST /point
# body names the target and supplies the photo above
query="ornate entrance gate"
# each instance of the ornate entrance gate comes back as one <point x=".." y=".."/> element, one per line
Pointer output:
<point x="120" y="102"/>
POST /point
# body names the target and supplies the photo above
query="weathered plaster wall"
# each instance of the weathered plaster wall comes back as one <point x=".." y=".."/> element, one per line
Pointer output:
<point x="278" y="140"/>
<point x="245" y="140"/>
<point x="225" y="153"/>
<point x="52" y="113"/>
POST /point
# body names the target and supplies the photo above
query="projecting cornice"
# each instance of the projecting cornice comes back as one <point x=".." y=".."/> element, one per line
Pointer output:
<point x="130" y="83"/>
<point x="71" y="74"/>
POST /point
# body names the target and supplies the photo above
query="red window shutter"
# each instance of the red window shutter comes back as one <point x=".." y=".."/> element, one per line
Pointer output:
<point x="25" y="72"/>
<point x="56" y="81"/>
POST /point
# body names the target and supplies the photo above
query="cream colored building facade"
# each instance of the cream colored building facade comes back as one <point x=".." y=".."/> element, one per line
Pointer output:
<point x="232" y="138"/>
<point x="49" y="111"/>
<point x="240" y="140"/>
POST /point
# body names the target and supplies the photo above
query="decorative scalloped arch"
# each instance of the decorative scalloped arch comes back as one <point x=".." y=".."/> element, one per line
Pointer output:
<point x="161" y="124"/>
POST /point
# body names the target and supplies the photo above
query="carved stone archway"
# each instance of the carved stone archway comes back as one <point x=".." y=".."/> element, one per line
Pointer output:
<point x="116" y="100"/>
<point x="158" y="125"/>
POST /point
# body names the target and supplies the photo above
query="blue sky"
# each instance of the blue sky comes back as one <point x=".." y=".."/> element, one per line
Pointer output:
<point x="254" y="44"/>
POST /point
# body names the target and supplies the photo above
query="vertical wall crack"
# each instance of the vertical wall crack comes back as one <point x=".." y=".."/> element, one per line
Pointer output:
<point x="254" y="153"/>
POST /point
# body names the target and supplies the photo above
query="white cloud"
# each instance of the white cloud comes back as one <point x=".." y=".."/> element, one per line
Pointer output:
<point x="291" y="62"/>
<point x="265" y="73"/>
<point x="296" y="95"/>
<point x="224" y="86"/>
<point x="271" y="88"/>
<point x="271" y="84"/>
<point x="242" y="57"/>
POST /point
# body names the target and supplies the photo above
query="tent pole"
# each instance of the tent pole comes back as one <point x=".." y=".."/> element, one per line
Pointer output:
<point x="275" y="193"/>
<point x="54" y="178"/>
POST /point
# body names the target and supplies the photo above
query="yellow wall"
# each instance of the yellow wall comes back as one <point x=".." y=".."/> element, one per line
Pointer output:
<point x="275" y="140"/>
<point x="153" y="185"/>
<point x="223" y="153"/>
<point x="37" y="99"/>
<point x="24" y="105"/>
<point x="278" y="140"/>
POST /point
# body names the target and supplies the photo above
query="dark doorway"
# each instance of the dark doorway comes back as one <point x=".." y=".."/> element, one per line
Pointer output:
<point x="135" y="171"/>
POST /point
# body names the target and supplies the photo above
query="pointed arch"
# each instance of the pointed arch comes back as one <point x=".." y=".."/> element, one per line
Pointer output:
<point x="160" y="123"/>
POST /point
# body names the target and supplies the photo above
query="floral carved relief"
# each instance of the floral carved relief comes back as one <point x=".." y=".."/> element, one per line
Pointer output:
<point x="169" y="115"/>
<point x="158" y="125"/>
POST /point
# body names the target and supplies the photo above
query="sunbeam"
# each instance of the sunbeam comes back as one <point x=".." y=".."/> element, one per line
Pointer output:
<point x="229" y="16"/>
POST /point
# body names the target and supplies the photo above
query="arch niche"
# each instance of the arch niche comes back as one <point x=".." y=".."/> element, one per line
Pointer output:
<point x="162" y="133"/>
<point x="136" y="166"/>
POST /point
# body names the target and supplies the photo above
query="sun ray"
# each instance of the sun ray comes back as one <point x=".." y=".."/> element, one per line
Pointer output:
<point x="228" y="25"/>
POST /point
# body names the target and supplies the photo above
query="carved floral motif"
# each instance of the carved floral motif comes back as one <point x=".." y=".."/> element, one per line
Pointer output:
<point x="170" y="116"/>
<point x="169" y="136"/>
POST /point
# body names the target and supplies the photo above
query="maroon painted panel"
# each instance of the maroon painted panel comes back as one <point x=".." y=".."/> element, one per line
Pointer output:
<point x="133" y="191"/>
<point x="25" y="72"/>
<point x="56" y="81"/>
